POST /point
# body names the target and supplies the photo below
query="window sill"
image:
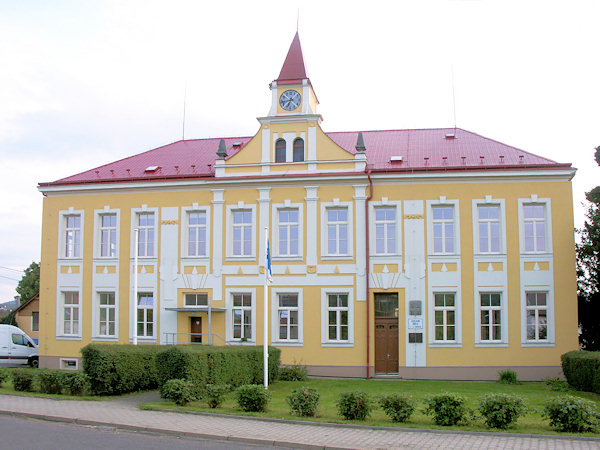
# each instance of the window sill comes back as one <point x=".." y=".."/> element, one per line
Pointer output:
<point x="287" y="344"/>
<point x="238" y="342"/>
<point x="201" y="257"/>
<point x="491" y="344"/>
<point x="288" y="258"/>
<point x="105" y="339"/>
<point x="336" y="257"/>
<point x="241" y="258"/>
<point x="439" y="344"/>
<point x="106" y="258"/>
<point x="337" y="344"/>
<point x="144" y="340"/>
<point x="537" y="344"/>
<point x="68" y="338"/>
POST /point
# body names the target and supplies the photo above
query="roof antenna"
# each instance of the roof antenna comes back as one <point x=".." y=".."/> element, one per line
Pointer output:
<point x="453" y="98"/>
<point x="184" y="98"/>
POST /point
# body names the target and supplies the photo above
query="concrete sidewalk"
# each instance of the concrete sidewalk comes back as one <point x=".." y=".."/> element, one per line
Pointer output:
<point x="125" y="415"/>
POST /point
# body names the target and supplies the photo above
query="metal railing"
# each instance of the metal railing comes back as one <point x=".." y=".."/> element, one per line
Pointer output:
<point x="194" y="338"/>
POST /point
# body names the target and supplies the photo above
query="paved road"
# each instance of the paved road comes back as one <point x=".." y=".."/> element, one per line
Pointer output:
<point x="25" y="433"/>
<point x="125" y="416"/>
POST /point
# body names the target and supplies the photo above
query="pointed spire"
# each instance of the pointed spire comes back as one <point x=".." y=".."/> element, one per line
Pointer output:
<point x="360" y="143"/>
<point x="222" y="152"/>
<point x="293" y="66"/>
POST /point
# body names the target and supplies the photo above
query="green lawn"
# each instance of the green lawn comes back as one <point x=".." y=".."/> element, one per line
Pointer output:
<point x="534" y="395"/>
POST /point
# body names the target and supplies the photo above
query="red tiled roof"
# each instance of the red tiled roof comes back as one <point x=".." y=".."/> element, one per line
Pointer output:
<point x="420" y="150"/>
<point x="293" y="67"/>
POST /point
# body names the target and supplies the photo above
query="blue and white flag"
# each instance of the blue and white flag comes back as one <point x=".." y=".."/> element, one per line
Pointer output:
<point x="268" y="273"/>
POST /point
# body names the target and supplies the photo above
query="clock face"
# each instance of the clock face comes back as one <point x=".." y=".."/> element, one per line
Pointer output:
<point x="290" y="100"/>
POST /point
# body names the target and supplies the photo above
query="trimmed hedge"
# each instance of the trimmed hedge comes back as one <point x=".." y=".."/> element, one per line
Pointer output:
<point x="117" y="369"/>
<point x="233" y="365"/>
<point x="582" y="370"/>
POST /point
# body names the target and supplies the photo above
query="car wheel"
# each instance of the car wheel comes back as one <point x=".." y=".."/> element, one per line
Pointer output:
<point x="34" y="362"/>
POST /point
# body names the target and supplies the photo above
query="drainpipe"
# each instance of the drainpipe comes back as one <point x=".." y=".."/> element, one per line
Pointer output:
<point x="368" y="172"/>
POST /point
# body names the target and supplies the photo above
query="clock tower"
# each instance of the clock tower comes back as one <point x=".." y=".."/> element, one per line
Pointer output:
<point x="293" y="97"/>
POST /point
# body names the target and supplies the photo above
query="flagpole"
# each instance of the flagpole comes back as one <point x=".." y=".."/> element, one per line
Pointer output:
<point x="266" y="313"/>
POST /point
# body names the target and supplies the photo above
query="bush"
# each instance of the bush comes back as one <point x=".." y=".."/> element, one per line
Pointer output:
<point x="304" y="401"/>
<point x="507" y="377"/>
<point x="233" y="365"/>
<point x="447" y="408"/>
<point x="355" y="405"/>
<point x="179" y="391"/>
<point x="75" y="383"/>
<point x="572" y="414"/>
<point x="3" y="376"/>
<point x="22" y="380"/>
<point x="557" y="385"/>
<point x="398" y="407"/>
<point x="582" y="370"/>
<point x="117" y="369"/>
<point x="501" y="410"/>
<point x="50" y="381"/>
<point x="252" y="397"/>
<point x="296" y="372"/>
<point x="215" y="394"/>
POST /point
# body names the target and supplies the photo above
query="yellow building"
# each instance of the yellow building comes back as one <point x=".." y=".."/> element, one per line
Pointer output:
<point x="424" y="253"/>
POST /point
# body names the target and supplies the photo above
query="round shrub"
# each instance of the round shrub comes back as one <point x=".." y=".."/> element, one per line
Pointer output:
<point x="398" y="407"/>
<point x="447" y="408"/>
<point x="252" y="397"/>
<point x="568" y="413"/>
<point x="75" y="383"/>
<point x="304" y="401"/>
<point x="293" y="373"/>
<point x="501" y="410"/>
<point x="51" y="381"/>
<point x="355" y="405"/>
<point x="179" y="391"/>
<point x="215" y="394"/>
<point x="22" y="380"/>
<point x="507" y="377"/>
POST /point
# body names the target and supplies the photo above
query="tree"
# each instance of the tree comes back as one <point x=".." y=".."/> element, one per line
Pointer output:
<point x="30" y="283"/>
<point x="588" y="271"/>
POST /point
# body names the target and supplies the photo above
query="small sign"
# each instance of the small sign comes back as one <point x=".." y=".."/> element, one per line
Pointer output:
<point x="415" y="324"/>
<point x="414" y="307"/>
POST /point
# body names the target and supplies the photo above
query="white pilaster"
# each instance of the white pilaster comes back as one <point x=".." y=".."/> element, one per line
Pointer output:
<point x="360" y="198"/>
<point x="311" y="224"/>
<point x="217" y="247"/>
<point x="168" y="270"/>
<point x="263" y="221"/>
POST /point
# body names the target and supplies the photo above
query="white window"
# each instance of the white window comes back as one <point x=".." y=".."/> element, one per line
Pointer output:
<point x="145" y="315"/>
<point x="107" y="314"/>
<point x="443" y="229"/>
<point x="108" y="235"/>
<point x="242" y="232"/>
<point x="72" y="240"/>
<point x="70" y="314"/>
<point x="537" y="316"/>
<point x="337" y="231"/>
<point x="288" y="317"/>
<point x="444" y="309"/>
<point x="196" y="299"/>
<point x="338" y="317"/>
<point x="490" y="317"/>
<point x="534" y="227"/>
<point x="288" y="232"/>
<point x="488" y="220"/>
<point x="146" y="227"/>
<point x="241" y="317"/>
<point x="385" y="230"/>
<point x="35" y="321"/>
<point x="196" y="233"/>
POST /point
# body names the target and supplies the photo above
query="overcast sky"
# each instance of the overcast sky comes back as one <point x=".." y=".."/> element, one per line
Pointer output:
<point x="83" y="83"/>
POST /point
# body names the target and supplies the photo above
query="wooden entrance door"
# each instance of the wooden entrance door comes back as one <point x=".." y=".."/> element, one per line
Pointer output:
<point x="386" y="333"/>
<point x="196" y="329"/>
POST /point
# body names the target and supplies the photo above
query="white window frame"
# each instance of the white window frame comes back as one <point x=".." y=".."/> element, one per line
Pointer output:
<point x="32" y="321"/>
<point x="434" y="308"/>
<point x="325" y="207"/>
<point x="61" y="306"/>
<point x="134" y="224"/>
<point x="275" y="221"/>
<point x="98" y="214"/>
<point x="185" y="211"/>
<point x="230" y="209"/>
<point x="431" y="204"/>
<point x="384" y="203"/>
<point x="503" y="341"/>
<point x="386" y="224"/>
<point x="533" y="200"/>
<point x="325" y="341"/>
<point x="185" y="294"/>
<point x="154" y="315"/>
<point x="98" y="307"/>
<point x="275" y="293"/>
<point x="229" y="293"/>
<point x="550" y="333"/>
<point x="489" y="201"/>
<point x="62" y="233"/>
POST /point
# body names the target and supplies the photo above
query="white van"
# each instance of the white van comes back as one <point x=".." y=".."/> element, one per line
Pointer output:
<point x="16" y="348"/>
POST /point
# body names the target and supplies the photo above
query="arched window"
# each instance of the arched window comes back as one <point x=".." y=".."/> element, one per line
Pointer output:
<point x="298" y="149"/>
<point x="280" y="150"/>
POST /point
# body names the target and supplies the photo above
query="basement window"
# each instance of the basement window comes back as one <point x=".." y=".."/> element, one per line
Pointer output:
<point x="69" y="364"/>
